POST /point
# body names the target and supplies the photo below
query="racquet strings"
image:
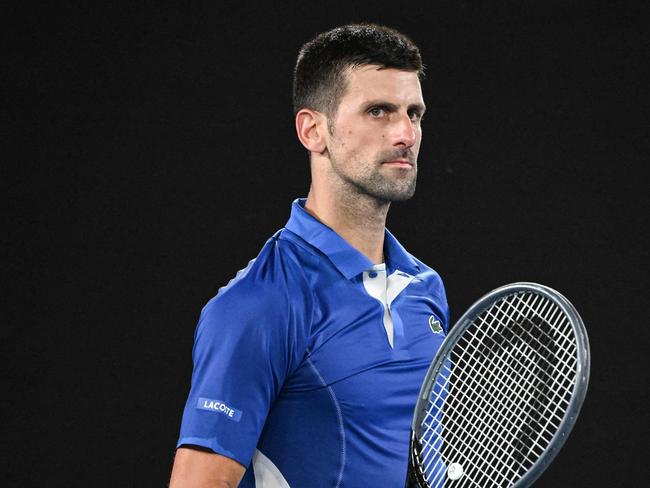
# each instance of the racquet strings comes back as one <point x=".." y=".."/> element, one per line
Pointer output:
<point x="500" y="395"/>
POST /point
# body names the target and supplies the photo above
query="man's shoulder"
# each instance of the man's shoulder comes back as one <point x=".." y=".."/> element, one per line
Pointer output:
<point x="276" y="275"/>
<point x="425" y="268"/>
<point x="430" y="276"/>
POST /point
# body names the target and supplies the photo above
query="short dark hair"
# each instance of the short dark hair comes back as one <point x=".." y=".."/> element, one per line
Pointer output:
<point x="319" y="79"/>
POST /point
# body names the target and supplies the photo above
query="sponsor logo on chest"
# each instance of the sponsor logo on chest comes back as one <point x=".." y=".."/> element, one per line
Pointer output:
<point x="435" y="325"/>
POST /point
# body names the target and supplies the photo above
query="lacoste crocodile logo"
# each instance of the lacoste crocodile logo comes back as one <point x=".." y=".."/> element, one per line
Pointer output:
<point x="435" y="325"/>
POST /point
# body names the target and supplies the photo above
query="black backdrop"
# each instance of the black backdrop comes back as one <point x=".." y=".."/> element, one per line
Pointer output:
<point x="149" y="152"/>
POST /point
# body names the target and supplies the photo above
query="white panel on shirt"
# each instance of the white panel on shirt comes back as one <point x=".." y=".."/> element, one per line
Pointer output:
<point x="267" y="475"/>
<point x="385" y="290"/>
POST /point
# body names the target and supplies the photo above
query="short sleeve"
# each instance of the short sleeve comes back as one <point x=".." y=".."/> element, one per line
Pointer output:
<point x="248" y="340"/>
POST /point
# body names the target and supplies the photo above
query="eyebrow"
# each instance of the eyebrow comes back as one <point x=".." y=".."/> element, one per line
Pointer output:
<point x="392" y="107"/>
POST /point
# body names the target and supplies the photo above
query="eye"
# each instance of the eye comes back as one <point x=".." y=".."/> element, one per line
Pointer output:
<point x="376" y="112"/>
<point x="416" y="116"/>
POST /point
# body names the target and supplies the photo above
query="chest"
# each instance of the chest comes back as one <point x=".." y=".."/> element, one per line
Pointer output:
<point x="352" y="351"/>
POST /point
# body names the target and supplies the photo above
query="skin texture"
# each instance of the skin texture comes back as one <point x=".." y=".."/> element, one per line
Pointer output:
<point x="354" y="180"/>
<point x="198" y="468"/>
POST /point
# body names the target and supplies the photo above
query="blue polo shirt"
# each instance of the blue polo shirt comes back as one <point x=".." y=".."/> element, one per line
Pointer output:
<point x="308" y="363"/>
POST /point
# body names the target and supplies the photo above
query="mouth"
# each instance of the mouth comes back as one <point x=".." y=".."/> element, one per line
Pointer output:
<point x="398" y="163"/>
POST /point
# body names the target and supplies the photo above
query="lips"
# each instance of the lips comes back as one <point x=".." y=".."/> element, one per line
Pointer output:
<point x="399" y="163"/>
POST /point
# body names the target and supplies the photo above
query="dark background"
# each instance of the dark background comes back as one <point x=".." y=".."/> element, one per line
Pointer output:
<point x="149" y="152"/>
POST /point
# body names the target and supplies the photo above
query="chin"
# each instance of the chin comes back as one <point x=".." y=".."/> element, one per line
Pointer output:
<point x="402" y="197"/>
<point x="404" y="194"/>
<point x="395" y="196"/>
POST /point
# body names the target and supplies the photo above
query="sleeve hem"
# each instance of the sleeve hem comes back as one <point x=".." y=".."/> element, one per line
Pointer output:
<point x="214" y="446"/>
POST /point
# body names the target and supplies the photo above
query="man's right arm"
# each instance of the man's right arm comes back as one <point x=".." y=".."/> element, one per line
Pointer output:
<point x="248" y="339"/>
<point x="199" y="468"/>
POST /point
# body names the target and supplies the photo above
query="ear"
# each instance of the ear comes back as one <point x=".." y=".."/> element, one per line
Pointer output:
<point x="311" y="127"/>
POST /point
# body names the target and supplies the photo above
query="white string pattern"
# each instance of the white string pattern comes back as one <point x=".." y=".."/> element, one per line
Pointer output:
<point x="500" y="395"/>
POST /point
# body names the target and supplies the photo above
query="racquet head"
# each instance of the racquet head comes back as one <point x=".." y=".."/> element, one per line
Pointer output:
<point x="503" y="392"/>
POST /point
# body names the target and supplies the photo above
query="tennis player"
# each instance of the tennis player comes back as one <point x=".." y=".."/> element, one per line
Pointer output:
<point x="308" y="363"/>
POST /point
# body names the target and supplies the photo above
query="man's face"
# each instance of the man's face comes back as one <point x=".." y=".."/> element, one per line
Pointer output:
<point x="375" y="135"/>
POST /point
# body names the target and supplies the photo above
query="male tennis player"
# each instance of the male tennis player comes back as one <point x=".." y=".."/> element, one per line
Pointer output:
<point x="307" y="365"/>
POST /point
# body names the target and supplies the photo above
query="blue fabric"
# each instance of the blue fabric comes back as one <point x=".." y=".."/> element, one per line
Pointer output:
<point x="291" y="358"/>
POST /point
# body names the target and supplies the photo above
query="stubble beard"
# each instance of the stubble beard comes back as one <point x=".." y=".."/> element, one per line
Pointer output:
<point x="370" y="181"/>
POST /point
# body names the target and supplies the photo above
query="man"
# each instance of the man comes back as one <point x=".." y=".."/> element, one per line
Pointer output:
<point x="308" y="363"/>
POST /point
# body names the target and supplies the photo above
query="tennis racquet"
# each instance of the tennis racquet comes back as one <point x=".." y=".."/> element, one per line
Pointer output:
<point x="503" y="392"/>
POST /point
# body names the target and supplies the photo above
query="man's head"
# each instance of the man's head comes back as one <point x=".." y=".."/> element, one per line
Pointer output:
<point x="358" y="105"/>
<point x="320" y="78"/>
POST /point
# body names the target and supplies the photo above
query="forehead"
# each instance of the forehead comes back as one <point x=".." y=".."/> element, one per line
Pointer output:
<point x="372" y="82"/>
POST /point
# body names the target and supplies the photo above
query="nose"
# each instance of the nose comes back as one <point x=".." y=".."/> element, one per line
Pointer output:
<point x="404" y="132"/>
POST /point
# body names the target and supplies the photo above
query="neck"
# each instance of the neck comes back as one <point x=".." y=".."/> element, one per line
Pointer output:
<point x="359" y="219"/>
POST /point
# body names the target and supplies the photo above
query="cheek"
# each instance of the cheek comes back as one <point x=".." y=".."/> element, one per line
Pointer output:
<point x="359" y="141"/>
<point x="418" y="137"/>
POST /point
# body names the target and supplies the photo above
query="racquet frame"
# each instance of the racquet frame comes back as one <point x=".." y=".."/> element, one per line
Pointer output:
<point x="415" y="476"/>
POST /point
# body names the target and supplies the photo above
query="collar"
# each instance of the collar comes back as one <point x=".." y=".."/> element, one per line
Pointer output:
<point x="347" y="259"/>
